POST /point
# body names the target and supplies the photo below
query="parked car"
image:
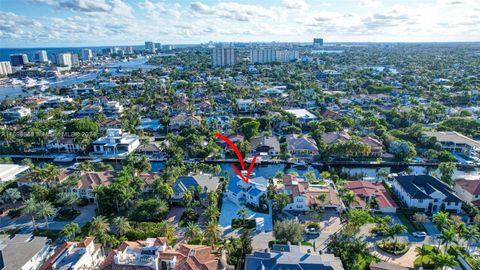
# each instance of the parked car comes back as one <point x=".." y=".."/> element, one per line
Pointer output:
<point x="419" y="234"/>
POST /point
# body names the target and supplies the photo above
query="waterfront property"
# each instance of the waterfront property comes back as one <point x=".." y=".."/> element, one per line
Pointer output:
<point x="456" y="143"/>
<point x="116" y="143"/>
<point x="468" y="189"/>
<point x="426" y="193"/>
<point x="372" y="196"/>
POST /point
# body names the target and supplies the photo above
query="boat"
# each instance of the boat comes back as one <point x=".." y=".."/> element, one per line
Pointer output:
<point x="29" y="82"/>
<point x="258" y="160"/>
<point x="14" y="81"/>
<point x="299" y="164"/>
<point x="64" y="158"/>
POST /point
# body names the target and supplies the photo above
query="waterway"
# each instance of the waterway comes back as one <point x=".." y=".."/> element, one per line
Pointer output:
<point x="134" y="64"/>
<point x="271" y="170"/>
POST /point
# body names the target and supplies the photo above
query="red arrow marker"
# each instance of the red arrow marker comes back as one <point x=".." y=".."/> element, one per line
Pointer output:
<point x="240" y="158"/>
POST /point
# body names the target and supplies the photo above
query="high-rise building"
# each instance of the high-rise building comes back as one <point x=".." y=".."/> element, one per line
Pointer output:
<point x="285" y="56"/>
<point x="41" y="56"/>
<point x="150" y="46"/>
<point x="223" y="56"/>
<point x="5" y="68"/>
<point x="317" y="42"/>
<point x="75" y="60"/>
<point x="18" y="59"/>
<point x="64" y="59"/>
<point x="158" y="46"/>
<point x="262" y="55"/>
<point x="129" y="50"/>
<point x="87" y="54"/>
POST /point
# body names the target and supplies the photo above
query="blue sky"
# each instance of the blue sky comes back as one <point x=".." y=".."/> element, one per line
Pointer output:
<point x="36" y="23"/>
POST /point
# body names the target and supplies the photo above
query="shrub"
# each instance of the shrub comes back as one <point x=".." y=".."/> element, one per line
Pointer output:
<point x="13" y="213"/>
<point x="394" y="248"/>
<point x="237" y="223"/>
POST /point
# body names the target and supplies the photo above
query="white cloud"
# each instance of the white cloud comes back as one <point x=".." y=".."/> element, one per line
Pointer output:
<point x="295" y="4"/>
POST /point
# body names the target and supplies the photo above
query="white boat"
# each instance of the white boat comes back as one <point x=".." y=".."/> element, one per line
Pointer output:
<point x="14" y="81"/>
<point x="64" y="158"/>
<point x="257" y="161"/>
<point x="29" y="82"/>
<point x="43" y="82"/>
<point x="300" y="164"/>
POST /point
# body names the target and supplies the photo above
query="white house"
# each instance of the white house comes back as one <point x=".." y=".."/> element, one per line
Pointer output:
<point x="456" y="143"/>
<point x="15" y="113"/>
<point x="241" y="193"/>
<point x="245" y="104"/>
<point x="116" y="143"/>
<point x="64" y="145"/>
<point x="76" y="256"/>
<point x="302" y="115"/>
<point x="10" y="172"/>
<point x="113" y="109"/>
<point x="23" y="251"/>
<point x="426" y="193"/>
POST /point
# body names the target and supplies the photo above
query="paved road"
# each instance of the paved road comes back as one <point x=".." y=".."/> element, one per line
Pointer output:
<point x="24" y="222"/>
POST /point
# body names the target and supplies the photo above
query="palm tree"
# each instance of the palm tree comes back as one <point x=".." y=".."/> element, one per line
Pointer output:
<point x="187" y="197"/>
<point x="98" y="226"/>
<point x="31" y="208"/>
<point x="442" y="261"/>
<point x="422" y="251"/>
<point x="47" y="210"/>
<point x="48" y="173"/>
<point x="212" y="233"/>
<point x="447" y="237"/>
<point x="193" y="234"/>
<point x="242" y="213"/>
<point x="12" y="194"/>
<point x="167" y="230"/>
<point x="67" y="199"/>
<point x="212" y="213"/>
<point x="472" y="234"/>
<point x="441" y="219"/>
<point x="70" y="230"/>
<point x="212" y="197"/>
<point x="121" y="225"/>
<point x="348" y="198"/>
<point x="393" y="231"/>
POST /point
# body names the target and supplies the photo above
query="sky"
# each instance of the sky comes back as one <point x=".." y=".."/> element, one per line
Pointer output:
<point x="63" y="23"/>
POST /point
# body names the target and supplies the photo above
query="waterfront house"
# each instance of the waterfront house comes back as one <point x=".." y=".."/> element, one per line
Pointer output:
<point x="241" y="193"/>
<point x="302" y="115"/>
<point x="371" y="196"/>
<point x="468" y="189"/>
<point x="116" y="143"/>
<point x="426" y="193"/>
<point x="456" y="143"/>
<point x="301" y="146"/>
<point x="264" y="145"/>
<point x="89" y="181"/>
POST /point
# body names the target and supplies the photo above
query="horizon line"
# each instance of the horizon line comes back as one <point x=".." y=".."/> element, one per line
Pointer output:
<point x="250" y="42"/>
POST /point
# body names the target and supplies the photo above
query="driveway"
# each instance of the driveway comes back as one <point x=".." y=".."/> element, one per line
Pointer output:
<point x="229" y="211"/>
<point x="24" y="223"/>
<point x="175" y="214"/>
<point x="431" y="229"/>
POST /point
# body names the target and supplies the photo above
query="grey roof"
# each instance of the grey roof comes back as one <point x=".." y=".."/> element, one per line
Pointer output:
<point x="183" y="183"/>
<point x="302" y="143"/>
<point x="294" y="259"/>
<point x="421" y="186"/>
<point x="270" y="141"/>
<point x="17" y="251"/>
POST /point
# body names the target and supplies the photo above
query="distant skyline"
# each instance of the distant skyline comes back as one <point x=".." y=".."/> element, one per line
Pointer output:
<point x="74" y="23"/>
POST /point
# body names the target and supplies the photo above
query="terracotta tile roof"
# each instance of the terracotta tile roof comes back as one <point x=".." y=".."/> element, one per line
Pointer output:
<point x="95" y="179"/>
<point x="470" y="185"/>
<point x="331" y="198"/>
<point x="364" y="189"/>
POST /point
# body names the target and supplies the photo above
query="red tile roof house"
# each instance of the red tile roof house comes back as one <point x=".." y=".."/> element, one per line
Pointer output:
<point x="366" y="191"/>
<point x="468" y="189"/>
